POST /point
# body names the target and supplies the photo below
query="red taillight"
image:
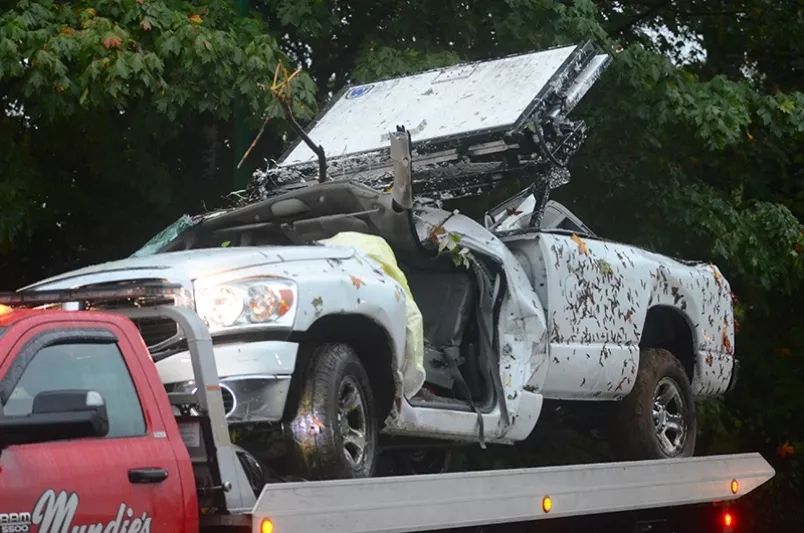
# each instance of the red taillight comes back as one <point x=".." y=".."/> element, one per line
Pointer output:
<point x="728" y="520"/>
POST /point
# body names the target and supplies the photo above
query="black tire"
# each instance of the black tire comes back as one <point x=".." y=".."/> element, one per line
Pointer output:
<point x="657" y="419"/>
<point x="415" y="462"/>
<point x="335" y="408"/>
<point x="254" y="470"/>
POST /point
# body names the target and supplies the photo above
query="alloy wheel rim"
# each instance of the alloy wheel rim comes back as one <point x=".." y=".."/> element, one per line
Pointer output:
<point x="668" y="414"/>
<point x="352" y="421"/>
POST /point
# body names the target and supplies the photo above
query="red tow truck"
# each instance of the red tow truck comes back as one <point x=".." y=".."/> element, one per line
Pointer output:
<point x="88" y="436"/>
<point x="91" y="442"/>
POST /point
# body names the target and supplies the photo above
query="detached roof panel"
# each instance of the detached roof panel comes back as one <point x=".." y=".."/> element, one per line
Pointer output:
<point x="448" y="102"/>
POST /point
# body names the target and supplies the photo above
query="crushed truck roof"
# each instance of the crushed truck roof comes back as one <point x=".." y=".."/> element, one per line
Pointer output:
<point x="471" y="125"/>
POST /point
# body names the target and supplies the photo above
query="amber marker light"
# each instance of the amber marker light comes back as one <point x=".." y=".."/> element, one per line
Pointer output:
<point x="547" y="504"/>
<point x="266" y="526"/>
<point x="735" y="486"/>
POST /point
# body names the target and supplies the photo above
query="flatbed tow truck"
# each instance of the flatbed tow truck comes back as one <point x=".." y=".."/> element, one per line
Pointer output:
<point x="67" y="463"/>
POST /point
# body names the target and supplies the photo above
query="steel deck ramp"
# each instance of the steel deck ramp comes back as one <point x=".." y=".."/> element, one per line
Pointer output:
<point x="427" y="502"/>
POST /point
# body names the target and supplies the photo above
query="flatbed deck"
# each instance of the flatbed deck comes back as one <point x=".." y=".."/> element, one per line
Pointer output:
<point x="437" y="501"/>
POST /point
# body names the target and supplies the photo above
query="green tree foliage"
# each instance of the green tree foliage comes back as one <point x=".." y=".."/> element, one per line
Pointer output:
<point x="117" y="118"/>
<point x="116" y="114"/>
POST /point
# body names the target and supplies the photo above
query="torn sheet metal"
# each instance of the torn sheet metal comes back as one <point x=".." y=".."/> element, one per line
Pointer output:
<point x="439" y="103"/>
<point x="472" y="125"/>
<point x="521" y="329"/>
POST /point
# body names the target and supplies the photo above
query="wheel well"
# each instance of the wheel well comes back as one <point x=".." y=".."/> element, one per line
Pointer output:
<point x="372" y="344"/>
<point x="668" y="328"/>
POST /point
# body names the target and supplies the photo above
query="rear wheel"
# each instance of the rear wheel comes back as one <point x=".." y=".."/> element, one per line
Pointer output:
<point x="657" y="419"/>
<point x="335" y="428"/>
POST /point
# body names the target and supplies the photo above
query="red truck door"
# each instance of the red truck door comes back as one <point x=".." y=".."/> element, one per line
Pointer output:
<point x="125" y="482"/>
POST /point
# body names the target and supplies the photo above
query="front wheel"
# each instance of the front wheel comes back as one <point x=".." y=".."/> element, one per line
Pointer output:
<point x="334" y="432"/>
<point x="657" y="419"/>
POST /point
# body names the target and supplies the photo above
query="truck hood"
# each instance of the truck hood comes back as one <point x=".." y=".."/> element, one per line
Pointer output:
<point x="189" y="265"/>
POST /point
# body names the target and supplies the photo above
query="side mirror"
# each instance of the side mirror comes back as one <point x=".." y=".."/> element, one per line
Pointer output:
<point x="57" y="415"/>
<point x="402" y="191"/>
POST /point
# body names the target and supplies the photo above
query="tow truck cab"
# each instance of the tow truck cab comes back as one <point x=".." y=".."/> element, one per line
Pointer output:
<point x="87" y="435"/>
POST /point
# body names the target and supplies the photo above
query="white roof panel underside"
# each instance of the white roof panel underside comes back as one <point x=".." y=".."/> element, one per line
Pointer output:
<point x="437" y="103"/>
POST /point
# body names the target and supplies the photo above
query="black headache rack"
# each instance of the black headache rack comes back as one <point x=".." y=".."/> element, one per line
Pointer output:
<point x="504" y="119"/>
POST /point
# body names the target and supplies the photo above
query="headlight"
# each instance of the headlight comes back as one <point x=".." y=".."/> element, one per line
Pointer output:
<point x="251" y="302"/>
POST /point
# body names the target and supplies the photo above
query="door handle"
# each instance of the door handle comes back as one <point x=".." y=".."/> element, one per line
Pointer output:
<point x="147" y="475"/>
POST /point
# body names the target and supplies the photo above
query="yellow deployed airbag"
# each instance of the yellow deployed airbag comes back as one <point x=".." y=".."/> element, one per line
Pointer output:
<point x="378" y="250"/>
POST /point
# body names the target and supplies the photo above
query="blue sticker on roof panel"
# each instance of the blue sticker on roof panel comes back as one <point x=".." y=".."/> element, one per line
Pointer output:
<point x="357" y="92"/>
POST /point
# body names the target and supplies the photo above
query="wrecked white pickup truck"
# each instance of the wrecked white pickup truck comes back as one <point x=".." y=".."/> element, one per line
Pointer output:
<point x="318" y="345"/>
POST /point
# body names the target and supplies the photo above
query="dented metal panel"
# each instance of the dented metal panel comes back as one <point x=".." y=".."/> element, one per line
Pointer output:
<point x="472" y="126"/>
<point x="488" y="95"/>
<point x="521" y="329"/>
<point x="598" y="294"/>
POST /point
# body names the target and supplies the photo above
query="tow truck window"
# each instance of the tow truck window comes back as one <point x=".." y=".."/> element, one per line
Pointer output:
<point x="86" y="366"/>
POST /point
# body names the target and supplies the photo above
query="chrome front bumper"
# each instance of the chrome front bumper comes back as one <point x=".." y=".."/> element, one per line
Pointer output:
<point x="254" y="377"/>
<point x="256" y="398"/>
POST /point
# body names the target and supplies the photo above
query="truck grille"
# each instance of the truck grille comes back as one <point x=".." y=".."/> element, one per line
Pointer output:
<point x="153" y="330"/>
<point x="156" y="330"/>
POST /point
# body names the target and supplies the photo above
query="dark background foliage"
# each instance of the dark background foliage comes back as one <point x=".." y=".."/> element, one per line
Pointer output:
<point x="117" y="117"/>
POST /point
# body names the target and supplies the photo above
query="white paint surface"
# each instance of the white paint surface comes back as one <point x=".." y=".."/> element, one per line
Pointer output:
<point x="437" y="103"/>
